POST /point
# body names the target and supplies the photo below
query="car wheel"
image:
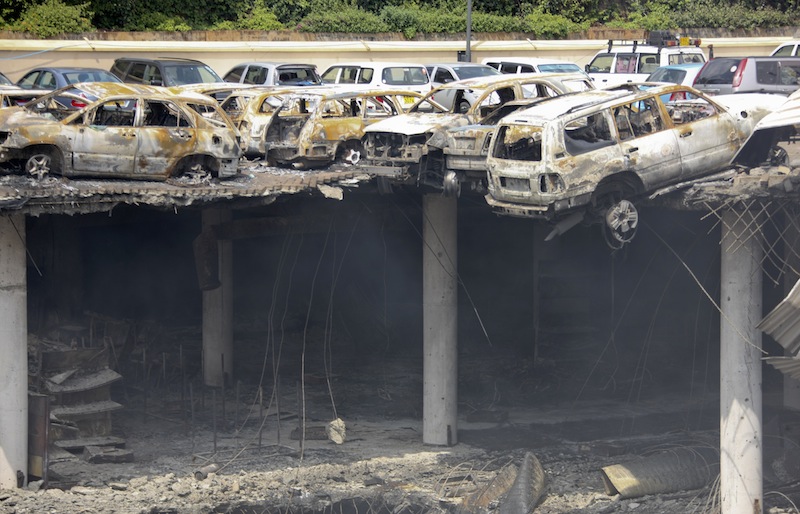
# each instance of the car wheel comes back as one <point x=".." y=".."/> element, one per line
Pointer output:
<point x="778" y="156"/>
<point x="463" y="107"/>
<point x="42" y="162"/>
<point x="621" y="221"/>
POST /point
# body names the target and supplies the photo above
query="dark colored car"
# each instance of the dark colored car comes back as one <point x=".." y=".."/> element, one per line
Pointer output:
<point x="56" y="78"/>
<point x="167" y="71"/>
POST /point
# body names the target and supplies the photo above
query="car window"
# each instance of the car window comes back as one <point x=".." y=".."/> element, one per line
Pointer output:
<point x="507" y="67"/>
<point x="330" y="74"/>
<point x="235" y="75"/>
<point x="682" y="58"/>
<point x="119" y="68"/>
<point x="136" y="73"/>
<point x="404" y="75"/>
<point x="518" y="143"/>
<point x="601" y="63"/>
<point x="767" y="72"/>
<point x="626" y="63"/>
<point x="468" y="72"/>
<point x="443" y="76"/>
<point x="718" y="71"/>
<point x="673" y="75"/>
<point x="524" y="68"/>
<point x="648" y="63"/>
<point x="587" y="133"/>
<point x="349" y="75"/>
<point x="789" y="74"/>
<point x="159" y="113"/>
<point x="256" y="75"/>
<point x="29" y="80"/>
<point x="638" y="119"/>
<point x="113" y="114"/>
<point x="211" y="113"/>
<point x="784" y="51"/>
<point x="559" y="68"/>
<point x="688" y="111"/>
<point x="366" y="76"/>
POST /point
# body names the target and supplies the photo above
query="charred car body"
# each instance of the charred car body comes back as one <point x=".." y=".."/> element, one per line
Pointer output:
<point x="311" y="127"/>
<point x="134" y="132"/>
<point x="597" y="151"/>
<point x="410" y="148"/>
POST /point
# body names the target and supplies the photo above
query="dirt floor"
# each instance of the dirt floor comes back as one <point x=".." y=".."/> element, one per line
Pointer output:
<point x="382" y="465"/>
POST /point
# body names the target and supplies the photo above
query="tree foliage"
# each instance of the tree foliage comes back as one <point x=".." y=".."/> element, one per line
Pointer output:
<point x="542" y="18"/>
<point x="54" y="17"/>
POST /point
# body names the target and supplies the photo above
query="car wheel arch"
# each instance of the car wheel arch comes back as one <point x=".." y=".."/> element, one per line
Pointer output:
<point x="50" y="157"/>
<point x="190" y="163"/>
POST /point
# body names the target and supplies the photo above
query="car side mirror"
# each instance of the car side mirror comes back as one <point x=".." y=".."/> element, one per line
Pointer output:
<point x="156" y="82"/>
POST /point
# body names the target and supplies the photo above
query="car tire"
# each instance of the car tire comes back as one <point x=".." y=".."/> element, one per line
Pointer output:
<point x="42" y="162"/>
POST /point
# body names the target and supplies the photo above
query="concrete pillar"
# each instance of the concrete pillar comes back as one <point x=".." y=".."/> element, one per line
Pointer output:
<point x="440" y="319"/>
<point x="218" y="310"/>
<point x="13" y="352"/>
<point x="740" y="367"/>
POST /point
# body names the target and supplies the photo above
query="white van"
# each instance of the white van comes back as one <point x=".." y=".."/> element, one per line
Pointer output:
<point x="634" y="61"/>
<point x="531" y="65"/>
<point x="395" y="75"/>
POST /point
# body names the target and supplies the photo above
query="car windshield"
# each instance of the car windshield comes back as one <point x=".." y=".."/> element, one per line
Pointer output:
<point x="559" y="68"/>
<point x="179" y="74"/>
<point x="673" y="75"/>
<point x="73" y="77"/>
<point x="5" y="81"/>
<point x="298" y="75"/>
<point x="470" y="72"/>
<point x="718" y="71"/>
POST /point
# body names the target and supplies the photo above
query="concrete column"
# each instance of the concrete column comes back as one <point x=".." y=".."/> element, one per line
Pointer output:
<point x="218" y="310"/>
<point x="740" y="367"/>
<point x="440" y="319"/>
<point x="13" y="352"/>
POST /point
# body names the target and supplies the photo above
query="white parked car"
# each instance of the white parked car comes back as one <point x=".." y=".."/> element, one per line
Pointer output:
<point x="788" y="49"/>
<point x="531" y="65"/>
<point x="393" y="75"/>
<point x="626" y="62"/>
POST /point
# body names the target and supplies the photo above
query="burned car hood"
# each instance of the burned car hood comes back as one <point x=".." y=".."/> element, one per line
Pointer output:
<point x="756" y="105"/>
<point x="780" y="125"/>
<point x="417" y="123"/>
<point x="18" y="116"/>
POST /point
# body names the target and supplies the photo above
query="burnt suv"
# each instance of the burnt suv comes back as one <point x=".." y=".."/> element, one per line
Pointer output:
<point x="167" y="71"/>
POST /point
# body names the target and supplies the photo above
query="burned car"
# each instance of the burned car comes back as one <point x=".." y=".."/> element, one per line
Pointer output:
<point x="311" y="127"/>
<point x="594" y="153"/>
<point x="410" y="148"/>
<point x="131" y="131"/>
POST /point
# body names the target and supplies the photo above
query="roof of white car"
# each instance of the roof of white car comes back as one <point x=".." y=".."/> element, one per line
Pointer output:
<point x="526" y="60"/>
<point x="511" y="78"/>
<point x="554" y="107"/>
<point x="377" y="64"/>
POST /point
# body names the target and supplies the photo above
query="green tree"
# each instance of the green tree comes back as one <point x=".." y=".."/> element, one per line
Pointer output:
<point x="54" y="17"/>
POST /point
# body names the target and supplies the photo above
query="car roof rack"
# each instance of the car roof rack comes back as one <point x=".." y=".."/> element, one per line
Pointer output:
<point x="660" y="39"/>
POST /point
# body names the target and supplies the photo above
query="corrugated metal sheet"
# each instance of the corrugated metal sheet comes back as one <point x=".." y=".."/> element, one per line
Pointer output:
<point x="783" y="322"/>
<point x="789" y="366"/>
